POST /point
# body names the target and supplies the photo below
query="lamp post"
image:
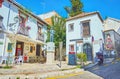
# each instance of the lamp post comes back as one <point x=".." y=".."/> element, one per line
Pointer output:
<point x="92" y="39"/>
<point x="60" y="46"/>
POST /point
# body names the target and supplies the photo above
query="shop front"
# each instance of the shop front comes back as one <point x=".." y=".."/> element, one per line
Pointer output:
<point x="29" y="49"/>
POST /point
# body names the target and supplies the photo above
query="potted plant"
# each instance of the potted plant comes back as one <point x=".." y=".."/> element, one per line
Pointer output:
<point x="82" y="57"/>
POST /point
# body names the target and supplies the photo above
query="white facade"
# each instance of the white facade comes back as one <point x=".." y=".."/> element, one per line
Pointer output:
<point x="76" y="38"/>
<point x="29" y="35"/>
<point x="112" y="24"/>
<point x="112" y="32"/>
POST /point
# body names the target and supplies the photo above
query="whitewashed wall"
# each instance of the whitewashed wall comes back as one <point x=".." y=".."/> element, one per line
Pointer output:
<point x="4" y="12"/>
<point x="33" y="25"/>
<point x="32" y="22"/>
<point x="96" y="28"/>
<point x="111" y="23"/>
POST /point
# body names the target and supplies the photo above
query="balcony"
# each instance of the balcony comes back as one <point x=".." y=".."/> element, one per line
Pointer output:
<point x="24" y="30"/>
<point x="40" y="37"/>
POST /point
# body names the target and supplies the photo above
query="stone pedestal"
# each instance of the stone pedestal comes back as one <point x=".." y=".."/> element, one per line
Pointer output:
<point x="50" y="58"/>
<point x="50" y="52"/>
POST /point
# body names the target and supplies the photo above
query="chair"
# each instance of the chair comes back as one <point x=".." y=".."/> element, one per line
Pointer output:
<point x="3" y="59"/>
<point x="20" y="59"/>
<point x="25" y="59"/>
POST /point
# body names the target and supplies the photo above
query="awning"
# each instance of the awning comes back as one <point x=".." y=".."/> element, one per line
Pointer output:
<point x="23" y="38"/>
<point x="37" y="41"/>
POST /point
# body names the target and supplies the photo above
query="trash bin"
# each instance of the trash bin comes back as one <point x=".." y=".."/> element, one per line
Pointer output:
<point x="72" y="58"/>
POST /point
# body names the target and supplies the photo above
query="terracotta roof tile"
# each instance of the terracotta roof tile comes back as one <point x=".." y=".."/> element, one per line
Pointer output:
<point x="83" y="15"/>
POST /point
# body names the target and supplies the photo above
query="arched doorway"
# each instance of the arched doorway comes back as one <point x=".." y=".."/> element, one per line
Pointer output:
<point x="87" y="48"/>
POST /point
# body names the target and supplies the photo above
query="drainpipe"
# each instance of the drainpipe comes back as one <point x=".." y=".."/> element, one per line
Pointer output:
<point x="6" y="30"/>
<point x="92" y="49"/>
<point x="76" y="52"/>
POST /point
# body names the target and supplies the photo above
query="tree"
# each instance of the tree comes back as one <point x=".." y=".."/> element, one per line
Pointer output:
<point x="60" y="31"/>
<point x="75" y="9"/>
<point x="58" y="25"/>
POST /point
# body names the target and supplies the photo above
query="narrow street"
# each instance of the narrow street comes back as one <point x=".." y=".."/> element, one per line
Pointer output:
<point x="79" y="75"/>
<point x="107" y="71"/>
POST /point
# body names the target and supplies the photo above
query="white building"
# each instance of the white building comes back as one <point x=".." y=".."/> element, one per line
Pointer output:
<point x="112" y="24"/>
<point x="84" y="34"/>
<point x="112" y="36"/>
<point x="23" y="32"/>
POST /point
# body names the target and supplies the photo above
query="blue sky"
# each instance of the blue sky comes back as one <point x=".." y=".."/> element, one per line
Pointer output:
<point x="107" y="8"/>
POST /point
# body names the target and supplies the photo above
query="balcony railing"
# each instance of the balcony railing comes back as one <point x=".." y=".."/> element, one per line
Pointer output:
<point x="24" y="30"/>
<point x="40" y="37"/>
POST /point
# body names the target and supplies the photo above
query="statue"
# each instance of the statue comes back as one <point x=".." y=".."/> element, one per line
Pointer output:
<point x="51" y="34"/>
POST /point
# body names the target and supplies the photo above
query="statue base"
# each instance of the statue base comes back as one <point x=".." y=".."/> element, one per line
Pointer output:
<point x="50" y="52"/>
<point x="50" y="58"/>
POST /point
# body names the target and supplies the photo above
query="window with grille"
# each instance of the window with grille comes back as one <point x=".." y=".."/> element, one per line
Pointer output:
<point x="86" y="28"/>
<point x="71" y="47"/>
<point x="1" y="18"/>
<point x="71" y="27"/>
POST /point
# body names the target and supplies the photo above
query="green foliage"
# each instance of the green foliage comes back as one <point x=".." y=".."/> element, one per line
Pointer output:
<point x="76" y="7"/>
<point x="7" y="67"/>
<point x="82" y="58"/>
<point x="58" y="25"/>
<point x="78" y="66"/>
<point x="18" y="78"/>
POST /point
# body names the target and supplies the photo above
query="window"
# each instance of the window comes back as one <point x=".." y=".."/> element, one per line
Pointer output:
<point x="1" y="18"/>
<point x="23" y="19"/>
<point x="86" y="28"/>
<point x="31" y="49"/>
<point x="39" y="29"/>
<point x="71" y="48"/>
<point x="71" y="27"/>
<point x="10" y="47"/>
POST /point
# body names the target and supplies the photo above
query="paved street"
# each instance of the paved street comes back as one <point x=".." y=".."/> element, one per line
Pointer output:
<point x="79" y="75"/>
<point x="37" y="70"/>
<point x="107" y="71"/>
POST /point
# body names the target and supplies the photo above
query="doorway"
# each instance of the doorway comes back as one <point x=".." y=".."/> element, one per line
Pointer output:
<point x="38" y="47"/>
<point x="19" y="48"/>
<point x="87" y="48"/>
